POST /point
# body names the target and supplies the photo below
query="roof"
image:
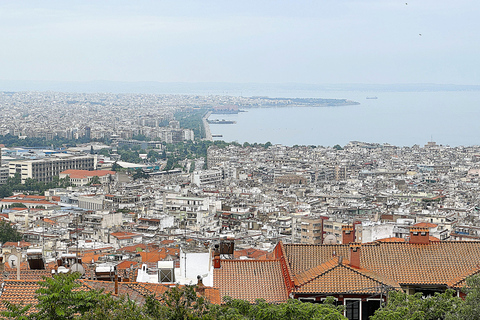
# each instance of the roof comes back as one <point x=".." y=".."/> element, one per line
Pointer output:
<point x="159" y="255"/>
<point x="22" y="292"/>
<point x="425" y="225"/>
<point x="326" y="279"/>
<point x="250" y="253"/>
<point x="437" y="263"/>
<point x="38" y="202"/>
<point x="18" y="244"/>
<point x="82" y="174"/>
<point x="19" y="292"/>
<point x="391" y="239"/>
<point x="125" y="235"/>
<point x="250" y="280"/>
<point x="126" y="264"/>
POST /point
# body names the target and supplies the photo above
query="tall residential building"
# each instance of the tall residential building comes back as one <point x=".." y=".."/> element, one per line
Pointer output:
<point x="312" y="230"/>
<point x="3" y="174"/>
<point x="47" y="168"/>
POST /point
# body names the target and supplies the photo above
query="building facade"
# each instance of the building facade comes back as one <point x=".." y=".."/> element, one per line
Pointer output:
<point x="47" y="168"/>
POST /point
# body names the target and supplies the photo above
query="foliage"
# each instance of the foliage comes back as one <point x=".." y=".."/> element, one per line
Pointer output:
<point x="116" y="166"/>
<point x="469" y="308"/>
<point x="15" y="184"/>
<point x="140" y="137"/>
<point x="59" y="297"/>
<point x="94" y="180"/>
<point x="140" y="174"/>
<point x="128" y="154"/>
<point x="104" y="152"/>
<point x="153" y="156"/>
<point x="17" y="205"/>
<point x="115" y="309"/>
<point x="192" y="120"/>
<point x="8" y="233"/>
<point x="192" y="166"/>
<point x="292" y="309"/>
<point x="402" y="306"/>
<point x="337" y="147"/>
<point x="18" y="312"/>
<point x="178" y="303"/>
<point x="14" y="141"/>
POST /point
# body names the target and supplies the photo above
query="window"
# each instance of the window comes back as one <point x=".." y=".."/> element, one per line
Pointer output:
<point x="352" y="309"/>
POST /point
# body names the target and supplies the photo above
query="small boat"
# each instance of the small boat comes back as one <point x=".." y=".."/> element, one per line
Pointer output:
<point x="372" y="98"/>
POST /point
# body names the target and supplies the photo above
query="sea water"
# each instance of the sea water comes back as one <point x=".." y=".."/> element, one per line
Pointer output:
<point x="399" y="118"/>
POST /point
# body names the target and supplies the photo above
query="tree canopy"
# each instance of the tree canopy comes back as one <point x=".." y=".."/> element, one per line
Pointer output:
<point x="8" y="232"/>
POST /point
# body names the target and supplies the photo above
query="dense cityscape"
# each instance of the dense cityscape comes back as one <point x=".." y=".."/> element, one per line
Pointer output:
<point x="132" y="190"/>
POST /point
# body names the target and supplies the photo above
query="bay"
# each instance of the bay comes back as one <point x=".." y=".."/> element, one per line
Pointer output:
<point x="399" y="118"/>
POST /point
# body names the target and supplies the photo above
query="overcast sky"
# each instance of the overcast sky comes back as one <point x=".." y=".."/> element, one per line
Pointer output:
<point x="293" y="41"/>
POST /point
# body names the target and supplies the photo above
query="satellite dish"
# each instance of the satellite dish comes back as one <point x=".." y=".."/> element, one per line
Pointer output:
<point x="12" y="261"/>
<point x="77" y="267"/>
<point x="330" y="239"/>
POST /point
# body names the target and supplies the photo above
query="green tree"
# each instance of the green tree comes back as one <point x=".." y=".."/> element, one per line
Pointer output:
<point x="17" y="205"/>
<point x="402" y="306"/>
<point x="153" y="156"/>
<point x="291" y="310"/>
<point x="8" y="232"/>
<point x="337" y="147"/>
<point x="178" y="303"/>
<point x="115" y="309"/>
<point x="116" y="166"/>
<point x="140" y="174"/>
<point x="5" y="191"/>
<point x="60" y="298"/>
<point x="14" y="311"/>
<point x="469" y="309"/>
<point x="94" y="180"/>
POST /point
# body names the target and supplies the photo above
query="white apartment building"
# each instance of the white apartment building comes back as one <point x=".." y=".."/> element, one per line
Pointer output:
<point x="47" y="168"/>
<point x="206" y="177"/>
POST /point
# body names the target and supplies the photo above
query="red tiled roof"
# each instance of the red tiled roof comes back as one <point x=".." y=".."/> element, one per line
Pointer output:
<point x="18" y="244"/>
<point x="338" y="277"/>
<point x="251" y="253"/>
<point x="125" y="235"/>
<point x="425" y="225"/>
<point x="27" y="201"/>
<point x="126" y="264"/>
<point x="437" y="263"/>
<point x="391" y="239"/>
<point x="20" y="292"/>
<point x="250" y="280"/>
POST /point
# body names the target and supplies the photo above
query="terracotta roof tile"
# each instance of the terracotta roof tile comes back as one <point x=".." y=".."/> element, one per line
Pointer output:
<point x="19" y="292"/>
<point x="341" y="278"/>
<point x="437" y="263"/>
<point x="250" y="280"/>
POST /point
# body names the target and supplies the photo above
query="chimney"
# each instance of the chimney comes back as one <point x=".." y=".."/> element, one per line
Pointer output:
<point x="200" y="285"/>
<point x="419" y="235"/>
<point x="216" y="257"/>
<point x="216" y="262"/>
<point x="355" y="250"/>
<point x="116" y="283"/>
<point x="348" y="234"/>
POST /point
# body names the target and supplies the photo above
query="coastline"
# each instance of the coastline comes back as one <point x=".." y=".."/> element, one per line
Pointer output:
<point x="206" y="126"/>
